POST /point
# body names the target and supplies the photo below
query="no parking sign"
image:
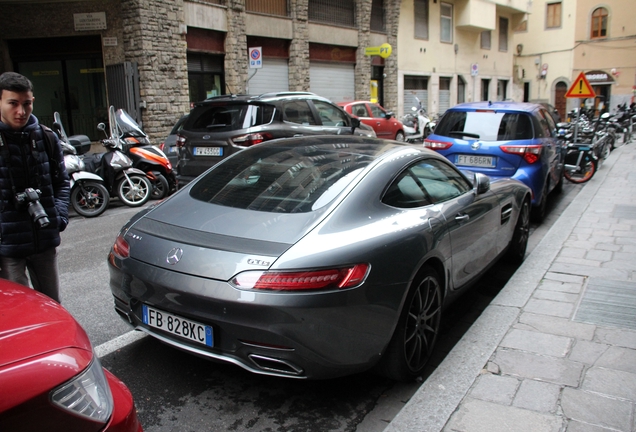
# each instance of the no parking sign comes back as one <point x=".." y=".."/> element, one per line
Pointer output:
<point x="256" y="58"/>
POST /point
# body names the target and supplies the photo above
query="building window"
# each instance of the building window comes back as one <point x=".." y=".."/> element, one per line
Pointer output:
<point x="553" y="15"/>
<point x="270" y="7"/>
<point x="599" y="23"/>
<point x="485" y="39"/>
<point x="339" y="12"/>
<point x="446" y="23"/>
<point x="503" y="34"/>
<point x="420" y="16"/>
<point x="377" y="16"/>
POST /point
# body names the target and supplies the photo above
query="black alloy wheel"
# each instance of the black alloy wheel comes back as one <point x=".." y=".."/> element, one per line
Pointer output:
<point x="417" y="330"/>
<point x="519" y="242"/>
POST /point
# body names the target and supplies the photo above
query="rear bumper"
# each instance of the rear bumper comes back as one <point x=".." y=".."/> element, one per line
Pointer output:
<point x="279" y="334"/>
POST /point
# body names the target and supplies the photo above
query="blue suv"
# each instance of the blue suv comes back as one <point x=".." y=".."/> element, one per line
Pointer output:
<point x="504" y="139"/>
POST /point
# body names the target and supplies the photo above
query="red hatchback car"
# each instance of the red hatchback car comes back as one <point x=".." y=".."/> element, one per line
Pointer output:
<point x="50" y="378"/>
<point x="383" y="122"/>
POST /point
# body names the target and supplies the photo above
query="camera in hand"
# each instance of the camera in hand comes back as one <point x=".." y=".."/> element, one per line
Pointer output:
<point x="30" y="199"/>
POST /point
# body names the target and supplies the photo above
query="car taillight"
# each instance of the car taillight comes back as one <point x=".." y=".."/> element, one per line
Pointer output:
<point x="181" y="140"/>
<point x="437" y="145"/>
<point x="251" y="139"/>
<point x="121" y="248"/>
<point x="530" y="153"/>
<point x="345" y="277"/>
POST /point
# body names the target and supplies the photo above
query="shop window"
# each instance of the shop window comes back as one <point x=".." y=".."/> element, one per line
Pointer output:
<point x="446" y="22"/>
<point x="339" y="12"/>
<point x="420" y="17"/>
<point x="269" y="7"/>
<point x="553" y="15"/>
<point x="599" y="23"/>
<point x="485" y="39"/>
<point x="503" y="34"/>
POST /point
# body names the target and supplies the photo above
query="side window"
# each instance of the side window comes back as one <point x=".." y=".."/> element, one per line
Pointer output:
<point x="427" y="182"/>
<point x="298" y="112"/>
<point x="359" y="111"/>
<point x="546" y="130"/>
<point x="330" y="115"/>
<point x="376" y="112"/>
<point x="551" y="125"/>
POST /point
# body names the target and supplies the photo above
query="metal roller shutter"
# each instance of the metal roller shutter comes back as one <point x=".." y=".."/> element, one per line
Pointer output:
<point x="272" y="77"/>
<point x="335" y="81"/>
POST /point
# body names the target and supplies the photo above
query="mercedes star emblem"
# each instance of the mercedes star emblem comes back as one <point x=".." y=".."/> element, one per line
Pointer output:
<point x="174" y="256"/>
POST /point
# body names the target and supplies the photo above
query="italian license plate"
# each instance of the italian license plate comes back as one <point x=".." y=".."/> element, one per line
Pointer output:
<point x="478" y="161"/>
<point x="178" y="326"/>
<point x="208" y="151"/>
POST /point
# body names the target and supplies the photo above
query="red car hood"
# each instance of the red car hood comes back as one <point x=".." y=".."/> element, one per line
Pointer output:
<point x="30" y="326"/>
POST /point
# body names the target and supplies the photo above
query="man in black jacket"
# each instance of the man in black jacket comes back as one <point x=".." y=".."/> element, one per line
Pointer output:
<point x="34" y="191"/>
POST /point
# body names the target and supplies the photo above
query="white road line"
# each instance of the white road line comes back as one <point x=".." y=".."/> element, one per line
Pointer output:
<point x="119" y="342"/>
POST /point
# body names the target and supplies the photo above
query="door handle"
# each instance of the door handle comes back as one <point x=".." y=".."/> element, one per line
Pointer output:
<point x="462" y="217"/>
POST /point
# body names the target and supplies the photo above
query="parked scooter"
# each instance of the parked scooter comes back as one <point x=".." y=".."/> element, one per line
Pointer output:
<point x="129" y="184"/>
<point x="89" y="196"/>
<point x="417" y="125"/>
<point x="146" y="157"/>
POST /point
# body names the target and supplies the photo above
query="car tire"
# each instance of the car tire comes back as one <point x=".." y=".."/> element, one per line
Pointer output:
<point x="519" y="242"/>
<point x="416" y="332"/>
<point x="538" y="212"/>
<point x="160" y="188"/>
<point x="399" y="136"/>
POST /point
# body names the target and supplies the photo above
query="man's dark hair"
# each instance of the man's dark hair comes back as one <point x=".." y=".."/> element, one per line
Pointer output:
<point x="14" y="82"/>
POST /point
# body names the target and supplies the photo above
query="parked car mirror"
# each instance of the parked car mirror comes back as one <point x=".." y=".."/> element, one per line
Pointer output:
<point x="355" y="123"/>
<point x="389" y="114"/>
<point x="482" y="183"/>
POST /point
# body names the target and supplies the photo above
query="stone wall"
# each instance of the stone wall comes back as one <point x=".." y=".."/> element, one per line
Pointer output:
<point x="154" y="38"/>
<point x="299" y="47"/>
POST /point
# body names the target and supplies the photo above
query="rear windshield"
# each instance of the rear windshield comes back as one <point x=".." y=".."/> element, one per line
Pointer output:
<point x="223" y="118"/>
<point x="486" y="125"/>
<point x="282" y="179"/>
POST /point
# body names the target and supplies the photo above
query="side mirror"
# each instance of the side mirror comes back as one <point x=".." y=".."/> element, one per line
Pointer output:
<point x="482" y="183"/>
<point x="605" y="115"/>
<point x="389" y="114"/>
<point x="355" y="124"/>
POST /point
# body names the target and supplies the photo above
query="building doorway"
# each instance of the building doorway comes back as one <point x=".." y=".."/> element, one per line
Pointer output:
<point x="68" y="81"/>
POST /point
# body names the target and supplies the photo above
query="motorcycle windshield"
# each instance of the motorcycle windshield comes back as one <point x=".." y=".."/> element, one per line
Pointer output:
<point x="127" y="125"/>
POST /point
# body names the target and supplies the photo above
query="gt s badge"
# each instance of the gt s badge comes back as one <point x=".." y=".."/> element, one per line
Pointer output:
<point x="475" y="145"/>
<point x="258" y="262"/>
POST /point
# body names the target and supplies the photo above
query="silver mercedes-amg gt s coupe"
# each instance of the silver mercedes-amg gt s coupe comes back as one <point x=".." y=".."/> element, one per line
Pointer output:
<point x="316" y="257"/>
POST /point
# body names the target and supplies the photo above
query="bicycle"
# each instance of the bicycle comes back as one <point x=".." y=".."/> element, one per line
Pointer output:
<point x="580" y="163"/>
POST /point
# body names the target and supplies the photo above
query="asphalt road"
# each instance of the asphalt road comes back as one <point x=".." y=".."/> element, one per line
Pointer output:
<point x="176" y="391"/>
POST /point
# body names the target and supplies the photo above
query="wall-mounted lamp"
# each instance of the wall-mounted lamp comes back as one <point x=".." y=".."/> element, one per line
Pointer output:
<point x="456" y="47"/>
<point x="519" y="49"/>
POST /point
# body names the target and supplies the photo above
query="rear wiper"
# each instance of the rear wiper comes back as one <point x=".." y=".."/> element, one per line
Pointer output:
<point x="460" y="133"/>
<point x="215" y="126"/>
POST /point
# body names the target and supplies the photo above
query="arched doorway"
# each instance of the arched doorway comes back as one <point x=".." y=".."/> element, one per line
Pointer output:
<point x="560" y="102"/>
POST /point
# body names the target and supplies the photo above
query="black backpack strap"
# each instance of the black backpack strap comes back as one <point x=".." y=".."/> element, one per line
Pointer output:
<point x="50" y="141"/>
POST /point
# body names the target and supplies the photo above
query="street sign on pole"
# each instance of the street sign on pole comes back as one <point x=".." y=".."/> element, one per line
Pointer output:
<point x="256" y="58"/>
<point x="474" y="69"/>
<point x="581" y="88"/>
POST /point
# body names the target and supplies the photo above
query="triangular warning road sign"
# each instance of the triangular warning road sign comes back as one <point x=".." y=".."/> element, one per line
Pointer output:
<point x="581" y="88"/>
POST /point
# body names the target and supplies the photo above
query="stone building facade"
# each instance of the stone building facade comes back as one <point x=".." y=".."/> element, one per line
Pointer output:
<point x="163" y="36"/>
